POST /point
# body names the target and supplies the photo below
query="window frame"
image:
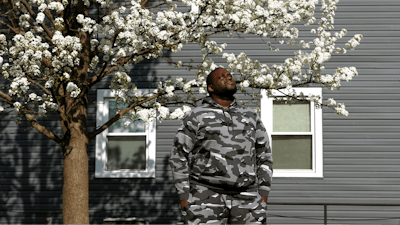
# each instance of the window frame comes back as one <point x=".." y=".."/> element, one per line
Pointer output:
<point x="316" y="130"/>
<point x="103" y="97"/>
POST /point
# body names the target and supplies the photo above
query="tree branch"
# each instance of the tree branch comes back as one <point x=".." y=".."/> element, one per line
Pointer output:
<point x="154" y="6"/>
<point x="97" y="78"/>
<point x="32" y="119"/>
<point x="109" y="11"/>
<point x="121" y="113"/>
<point x="10" y="27"/>
<point x="42" y="129"/>
<point x="33" y="14"/>
<point x="39" y="85"/>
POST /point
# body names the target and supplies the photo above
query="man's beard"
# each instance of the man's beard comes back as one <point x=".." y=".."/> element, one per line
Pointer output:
<point x="229" y="91"/>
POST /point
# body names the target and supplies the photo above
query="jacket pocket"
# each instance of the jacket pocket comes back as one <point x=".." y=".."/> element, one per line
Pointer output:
<point x="200" y="161"/>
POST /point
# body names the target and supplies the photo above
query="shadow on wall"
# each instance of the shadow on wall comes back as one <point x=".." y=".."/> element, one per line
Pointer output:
<point x="31" y="178"/>
<point x="30" y="174"/>
<point x="152" y="199"/>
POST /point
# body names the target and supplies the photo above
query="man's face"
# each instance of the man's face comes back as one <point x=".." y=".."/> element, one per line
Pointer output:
<point x="223" y="83"/>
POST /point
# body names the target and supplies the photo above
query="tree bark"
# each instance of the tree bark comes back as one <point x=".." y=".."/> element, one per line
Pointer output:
<point x="76" y="181"/>
<point x="76" y="164"/>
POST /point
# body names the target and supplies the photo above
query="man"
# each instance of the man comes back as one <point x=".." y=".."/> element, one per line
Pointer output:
<point x="221" y="159"/>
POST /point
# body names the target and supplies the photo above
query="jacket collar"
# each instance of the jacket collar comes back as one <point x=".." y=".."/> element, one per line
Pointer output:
<point x="210" y="101"/>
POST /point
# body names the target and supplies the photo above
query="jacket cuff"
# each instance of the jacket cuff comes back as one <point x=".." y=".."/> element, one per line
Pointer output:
<point x="263" y="192"/>
<point x="184" y="196"/>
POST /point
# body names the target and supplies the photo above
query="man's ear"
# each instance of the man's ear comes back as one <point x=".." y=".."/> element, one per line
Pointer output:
<point x="210" y="88"/>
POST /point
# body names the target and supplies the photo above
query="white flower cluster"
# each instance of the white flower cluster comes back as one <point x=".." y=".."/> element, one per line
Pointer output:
<point x="67" y="49"/>
<point x="20" y="85"/>
<point x="48" y="104"/>
<point x="163" y="112"/>
<point x="73" y="89"/>
<point x="341" y="110"/>
<point x="341" y="74"/>
<point x="145" y="114"/>
<point x="179" y="113"/>
<point x="331" y="102"/>
<point x="136" y="33"/>
<point x="89" y="25"/>
<point x="40" y="17"/>
<point x="354" y="42"/>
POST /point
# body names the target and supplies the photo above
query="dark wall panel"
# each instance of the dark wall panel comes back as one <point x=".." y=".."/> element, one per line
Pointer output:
<point x="361" y="151"/>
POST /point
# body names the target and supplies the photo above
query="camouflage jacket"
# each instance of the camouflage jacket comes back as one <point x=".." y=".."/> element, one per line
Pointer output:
<point x="222" y="148"/>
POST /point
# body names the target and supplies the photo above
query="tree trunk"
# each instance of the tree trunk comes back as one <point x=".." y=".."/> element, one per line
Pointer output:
<point x="76" y="177"/>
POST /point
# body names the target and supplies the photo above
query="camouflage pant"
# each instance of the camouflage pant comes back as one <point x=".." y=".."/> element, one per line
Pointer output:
<point x="206" y="206"/>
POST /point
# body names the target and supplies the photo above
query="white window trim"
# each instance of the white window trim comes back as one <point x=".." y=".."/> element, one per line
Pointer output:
<point x="101" y="141"/>
<point x="316" y="128"/>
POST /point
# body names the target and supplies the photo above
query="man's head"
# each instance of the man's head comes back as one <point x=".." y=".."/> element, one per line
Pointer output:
<point x="221" y="83"/>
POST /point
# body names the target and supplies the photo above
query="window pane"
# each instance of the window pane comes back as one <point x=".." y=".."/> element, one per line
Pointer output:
<point x="126" y="153"/>
<point x="119" y="127"/>
<point x="291" y="118"/>
<point x="292" y="151"/>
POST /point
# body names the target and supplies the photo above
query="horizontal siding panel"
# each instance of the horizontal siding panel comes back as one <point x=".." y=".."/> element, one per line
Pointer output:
<point x="336" y="200"/>
<point x="366" y="128"/>
<point x="376" y="4"/>
<point x="331" y="161"/>
<point x="379" y="91"/>
<point x="362" y="168"/>
<point x="379" y="142"/>
<point x="360" y="135"/>
<point x="367" y="174"/>
<point x="379" y="154"/>
<point x="360" y="148"/>
<point x="367" y="96"/>
<point x="329" y="194"/>
<point x="364" y="116"/>
<point x="336" y="181"/>
<point x="338" y="187"/>
<point x="341" y="121"/>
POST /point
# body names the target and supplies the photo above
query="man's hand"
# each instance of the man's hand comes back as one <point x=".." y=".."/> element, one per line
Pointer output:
<point x="183" y="203"/>
<point x="264" y="198"/>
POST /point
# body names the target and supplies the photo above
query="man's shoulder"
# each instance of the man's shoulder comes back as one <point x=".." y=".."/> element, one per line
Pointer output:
<point x="246" y="109"/>
<point x="204" y="108"/>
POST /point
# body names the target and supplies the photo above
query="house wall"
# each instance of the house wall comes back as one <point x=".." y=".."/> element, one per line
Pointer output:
<point x="361" y="151"/>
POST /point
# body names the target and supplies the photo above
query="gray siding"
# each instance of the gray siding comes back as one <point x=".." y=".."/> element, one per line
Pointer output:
<point x="361" y="152"/>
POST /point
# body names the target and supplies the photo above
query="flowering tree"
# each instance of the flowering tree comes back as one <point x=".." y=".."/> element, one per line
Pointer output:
<point x="52" y="52"/>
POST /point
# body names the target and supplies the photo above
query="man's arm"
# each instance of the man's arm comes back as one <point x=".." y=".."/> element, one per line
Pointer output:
<point x="183" y="203"/>
<point x="265" y="199"/>
<point x="264" y="160"/>
<point x="183" y="143"/>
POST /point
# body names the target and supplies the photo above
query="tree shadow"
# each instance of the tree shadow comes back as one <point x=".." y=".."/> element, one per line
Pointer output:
<point x="152" y="199"/>
<point x="30" y="174"/>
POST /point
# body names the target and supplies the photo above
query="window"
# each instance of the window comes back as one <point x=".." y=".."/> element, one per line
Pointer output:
<point x="123" y="152"/>
<point x="295" y="132"/>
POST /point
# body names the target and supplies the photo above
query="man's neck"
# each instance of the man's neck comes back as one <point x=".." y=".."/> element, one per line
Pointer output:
<point x="223" y="100"/>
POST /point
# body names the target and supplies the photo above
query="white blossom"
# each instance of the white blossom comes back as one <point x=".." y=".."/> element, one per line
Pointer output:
<point x="17" y="106"/>
<point x="244" y="84"/>
<point x="73" y="89"/>
<point x="341" y="110"/>
<point x="135" y="34"/>
<point x="170" y="90"/>
<point x="40" y="17"/>
<point x="330" y="102"/>
<point x="163" y="113"/>
<point x="146" y="114"/>
<point x="127" y="123"/>
<point x="177" y="114"/>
